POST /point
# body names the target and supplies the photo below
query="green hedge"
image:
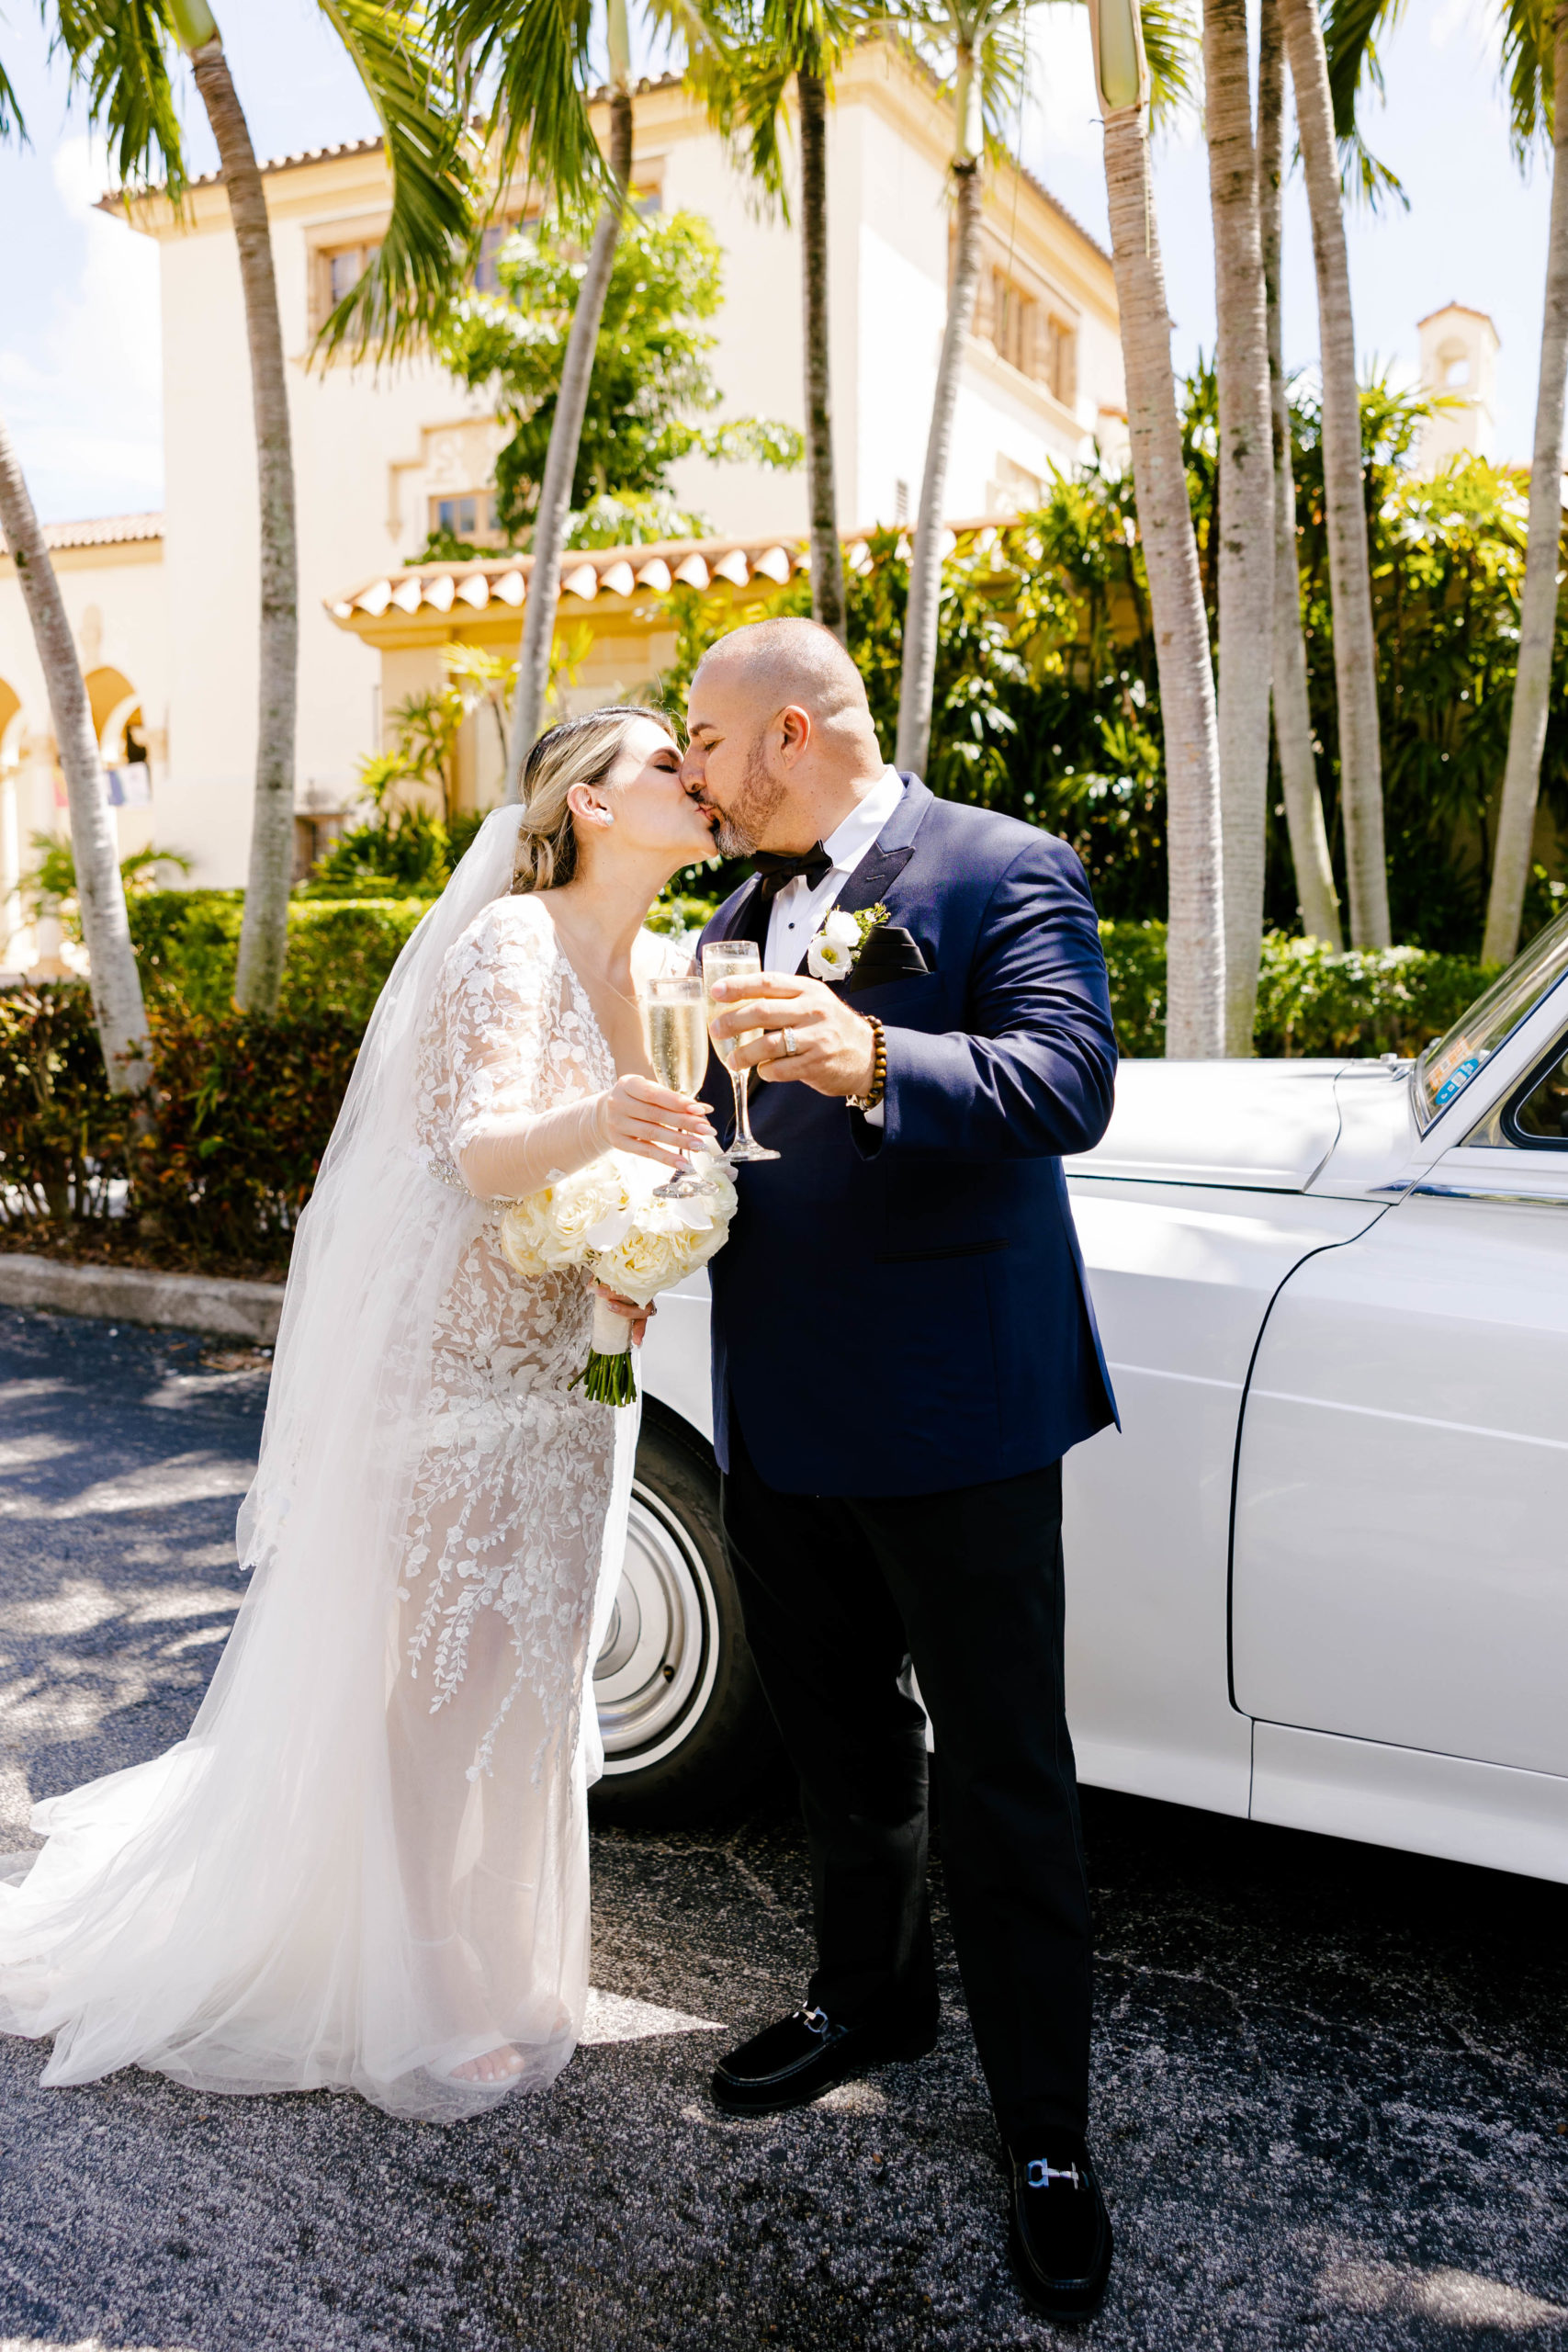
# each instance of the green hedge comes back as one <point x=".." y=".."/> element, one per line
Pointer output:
<point x="217" y="1166"/>
<point x="340" y="950"/>
<point x="1391" y="1001"/>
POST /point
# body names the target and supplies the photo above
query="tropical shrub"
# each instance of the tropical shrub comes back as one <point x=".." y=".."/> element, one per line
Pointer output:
<point x="340" y="950"/>
<point x="212" y="1169"/>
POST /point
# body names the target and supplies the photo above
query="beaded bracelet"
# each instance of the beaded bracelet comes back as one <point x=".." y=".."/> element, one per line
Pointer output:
<point x="878" y="1087"/>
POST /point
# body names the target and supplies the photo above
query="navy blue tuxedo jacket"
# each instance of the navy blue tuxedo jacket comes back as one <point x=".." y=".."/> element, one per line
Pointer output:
<point x="903" y="1310"/>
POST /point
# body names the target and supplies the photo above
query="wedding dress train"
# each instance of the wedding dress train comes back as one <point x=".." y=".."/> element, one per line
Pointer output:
<point x="367" y="1864"/>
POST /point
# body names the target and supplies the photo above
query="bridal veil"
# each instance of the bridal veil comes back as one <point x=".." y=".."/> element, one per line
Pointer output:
<point x="333" y="1880"/>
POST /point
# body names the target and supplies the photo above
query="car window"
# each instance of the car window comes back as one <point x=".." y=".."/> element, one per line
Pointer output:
<point x="1538" y="1119"/>
<point x="1446" y="1069"/>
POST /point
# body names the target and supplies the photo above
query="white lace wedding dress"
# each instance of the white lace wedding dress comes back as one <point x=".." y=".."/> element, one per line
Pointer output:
<point x="368" y="1863"/>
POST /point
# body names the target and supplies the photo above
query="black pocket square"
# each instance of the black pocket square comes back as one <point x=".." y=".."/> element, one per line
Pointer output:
<point x="890" y="953"/>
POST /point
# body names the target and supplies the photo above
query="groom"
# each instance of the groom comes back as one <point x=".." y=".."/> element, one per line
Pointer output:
<point x="904" y="1350"/>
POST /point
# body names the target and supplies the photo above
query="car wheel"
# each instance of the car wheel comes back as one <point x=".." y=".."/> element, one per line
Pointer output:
<point x="685" y="1728"/>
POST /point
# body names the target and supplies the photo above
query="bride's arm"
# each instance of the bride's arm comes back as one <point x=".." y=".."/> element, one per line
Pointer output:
<point x="505" y="1147"/>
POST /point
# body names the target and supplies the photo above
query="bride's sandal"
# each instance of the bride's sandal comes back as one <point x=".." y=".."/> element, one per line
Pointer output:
<point x="503" y="2065"/>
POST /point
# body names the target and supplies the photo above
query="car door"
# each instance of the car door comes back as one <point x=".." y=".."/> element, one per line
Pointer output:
<point x="1400" y="1563"/>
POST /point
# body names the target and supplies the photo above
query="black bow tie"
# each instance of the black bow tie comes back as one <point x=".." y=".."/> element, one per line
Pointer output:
<point x="777" y="868"/>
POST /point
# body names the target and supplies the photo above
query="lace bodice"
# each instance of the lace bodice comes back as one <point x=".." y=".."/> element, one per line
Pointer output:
<point x="512" y="1489"/>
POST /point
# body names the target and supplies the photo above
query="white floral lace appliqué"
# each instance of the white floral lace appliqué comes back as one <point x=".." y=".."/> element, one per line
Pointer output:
<point x="512" y="1489"/>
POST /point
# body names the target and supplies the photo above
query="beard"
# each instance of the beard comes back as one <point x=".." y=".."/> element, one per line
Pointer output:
<point x="739" y="830"/>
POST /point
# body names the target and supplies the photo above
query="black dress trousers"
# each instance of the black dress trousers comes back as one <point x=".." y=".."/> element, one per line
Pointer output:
<point x="842" y="1595"/>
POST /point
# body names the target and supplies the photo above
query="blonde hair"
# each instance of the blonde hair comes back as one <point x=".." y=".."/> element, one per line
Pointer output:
<point x="580" y="750"/>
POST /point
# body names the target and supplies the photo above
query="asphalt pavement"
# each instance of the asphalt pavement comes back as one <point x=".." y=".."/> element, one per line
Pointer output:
<point x="1330" y="2081"/>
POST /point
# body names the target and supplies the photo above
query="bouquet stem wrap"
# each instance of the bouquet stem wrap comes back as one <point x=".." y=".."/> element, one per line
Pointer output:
<point x="607" y="1375"/>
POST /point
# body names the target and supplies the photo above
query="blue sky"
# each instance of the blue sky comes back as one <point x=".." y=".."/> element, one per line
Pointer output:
<point x="79" y="292"/>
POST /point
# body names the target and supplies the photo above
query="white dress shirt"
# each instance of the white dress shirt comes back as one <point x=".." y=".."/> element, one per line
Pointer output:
<point x="799" y="912"/>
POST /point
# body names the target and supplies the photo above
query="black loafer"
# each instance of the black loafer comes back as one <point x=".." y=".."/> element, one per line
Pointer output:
<point x="804" y="2055"/>
<point x="1060" y="2232"/>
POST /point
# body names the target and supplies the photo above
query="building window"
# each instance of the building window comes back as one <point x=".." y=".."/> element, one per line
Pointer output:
<point x="346" y="265"/>
<point x="1012" y="320"/>
<point x="487" y="279"/>
<point x="336" y="270"/>
<point x="1059" y="358"/>
<point x="469" y="515"/>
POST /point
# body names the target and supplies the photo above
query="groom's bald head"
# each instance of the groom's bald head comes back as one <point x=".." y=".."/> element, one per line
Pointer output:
<point x="782" y="735"/>
<point x="776" y="663"/>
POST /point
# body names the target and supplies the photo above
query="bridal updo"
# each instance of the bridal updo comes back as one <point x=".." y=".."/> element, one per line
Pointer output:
<point x="580" y="750"/>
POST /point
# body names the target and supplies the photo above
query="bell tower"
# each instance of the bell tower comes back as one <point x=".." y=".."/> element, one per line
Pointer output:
<point x="1459" y="361"/>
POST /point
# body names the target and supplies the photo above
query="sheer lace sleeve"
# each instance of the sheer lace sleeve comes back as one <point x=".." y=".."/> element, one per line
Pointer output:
<point x="511" y="1055"/>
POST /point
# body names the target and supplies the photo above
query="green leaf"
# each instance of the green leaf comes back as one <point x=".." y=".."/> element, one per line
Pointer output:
<point x="115" y="51"/>
<point x="424" y="250"/>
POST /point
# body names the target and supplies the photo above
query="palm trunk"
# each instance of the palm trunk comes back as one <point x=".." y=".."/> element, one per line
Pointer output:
<point x="264" y="932"/>
<point x="917" y="680"/>
<point x="1538" y="603"/>
<point x="827" y="554"/>
<point x="1195" y="973"/>
<point x="565" y="433"/>
<point x="1316" y="895"/>
<point x="1245" y="505"/>
<point x="1349" y="573"/>
<point x="116" y="983"/>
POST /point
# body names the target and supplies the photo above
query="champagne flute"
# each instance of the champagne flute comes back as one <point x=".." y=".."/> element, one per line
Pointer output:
<point x="724" y="959"/>
<point x="674" y="1024"/>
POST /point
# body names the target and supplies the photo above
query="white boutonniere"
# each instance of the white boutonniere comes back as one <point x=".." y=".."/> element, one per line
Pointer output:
<point x="834" y="953"/>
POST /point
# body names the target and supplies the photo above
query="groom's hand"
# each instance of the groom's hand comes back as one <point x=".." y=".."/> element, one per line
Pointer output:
<point x="835" y="1050"/>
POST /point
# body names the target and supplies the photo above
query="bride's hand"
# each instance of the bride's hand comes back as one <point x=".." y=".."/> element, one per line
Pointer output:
<point x="642" y="1118"/>
<point x="640" y="1317"/>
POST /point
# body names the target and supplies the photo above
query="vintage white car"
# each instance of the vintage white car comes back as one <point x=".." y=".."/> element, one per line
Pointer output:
<point x="1321" y="1575"/>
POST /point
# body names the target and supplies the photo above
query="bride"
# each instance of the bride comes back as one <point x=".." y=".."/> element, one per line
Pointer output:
<point x="367" y="1863"/>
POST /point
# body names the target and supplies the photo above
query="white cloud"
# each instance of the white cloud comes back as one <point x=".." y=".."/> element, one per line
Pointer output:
<point x="83" y="390"/>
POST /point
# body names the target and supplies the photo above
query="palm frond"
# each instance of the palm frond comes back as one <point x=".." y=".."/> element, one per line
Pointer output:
<point x="1174" y="50"/>
<point x="116" y="53"/>
<point x="527" y="62"/>
<point x="742" y="56"/>
<point x="423" y="254"/>
<point x="1529" y="72"/>
<point x="1350" y="31"/>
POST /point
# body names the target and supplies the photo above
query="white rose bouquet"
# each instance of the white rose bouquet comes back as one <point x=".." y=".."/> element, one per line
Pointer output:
<point x="606" y="1219"/>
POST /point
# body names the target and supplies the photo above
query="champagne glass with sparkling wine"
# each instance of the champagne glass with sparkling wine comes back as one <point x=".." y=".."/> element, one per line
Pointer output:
<point x="722" y="961"/>
<point x="674" y="1023"/>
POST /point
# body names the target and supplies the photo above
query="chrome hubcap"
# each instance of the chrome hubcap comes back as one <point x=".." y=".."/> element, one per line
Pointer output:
<point x="652" y="1678"/>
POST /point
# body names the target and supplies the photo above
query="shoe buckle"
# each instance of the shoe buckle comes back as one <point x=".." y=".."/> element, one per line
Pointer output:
<point x="816" y="2021"/>
<point x="1038" y="2174"/>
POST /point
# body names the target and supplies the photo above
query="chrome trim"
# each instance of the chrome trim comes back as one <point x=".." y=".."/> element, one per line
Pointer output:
<point x="1487" y="1193"/>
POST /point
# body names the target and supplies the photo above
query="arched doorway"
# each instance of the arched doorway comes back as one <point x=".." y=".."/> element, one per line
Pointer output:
<point x="122" y="740"/>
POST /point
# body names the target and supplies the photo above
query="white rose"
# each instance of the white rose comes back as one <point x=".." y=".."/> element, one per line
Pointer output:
<point x="579" y="1203"/>
<point x="841" y="929"/>
<point x="826" y="961"/>
<point x="525" y="1231"/>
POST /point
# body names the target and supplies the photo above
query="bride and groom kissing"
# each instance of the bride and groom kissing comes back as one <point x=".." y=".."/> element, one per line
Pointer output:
<point x="366" y="1865"/>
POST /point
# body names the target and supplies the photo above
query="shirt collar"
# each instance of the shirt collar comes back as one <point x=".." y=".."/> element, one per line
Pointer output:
<point x="848" y="842"/>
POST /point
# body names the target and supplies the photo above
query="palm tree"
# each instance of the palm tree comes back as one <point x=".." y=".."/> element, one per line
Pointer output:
<point x="746" y="81"/>
<point x="116" y="983"/>
<point x="118" y="64"/>
<point x="985" y="40"/>
<point x="533" y="56"/>
<point x="1538" y="78"/>
<point x="1243" y="503"/>
<point x="421" y="254"/>
<point x="1349" y="574"/>
<point x="1316" y="893"/>
<point x="1195" y="997"/>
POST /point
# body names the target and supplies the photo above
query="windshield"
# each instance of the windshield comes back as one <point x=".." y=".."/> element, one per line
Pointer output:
<point x="1446" y="1069"/>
